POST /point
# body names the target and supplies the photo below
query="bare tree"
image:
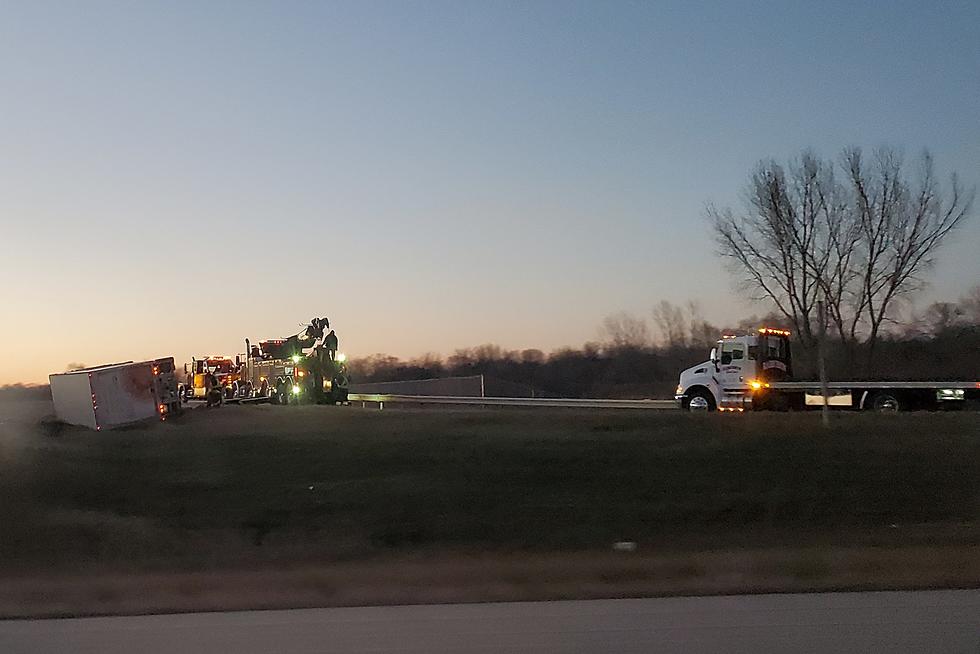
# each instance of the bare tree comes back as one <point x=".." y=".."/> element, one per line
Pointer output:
<point x="838" y="234"/>
<point x="702" y="333"/>
<point x="491" y="352"/>
<point x="669" y="319"/>
<point x="858" y="244"/>
<point x="623" y="330"/>
<point x="969" y="306"/>
<point x="783" y="238"/>
<point x="533" y="356"/>
<point x="902" y="224"/>
<point x="938" y="318"/>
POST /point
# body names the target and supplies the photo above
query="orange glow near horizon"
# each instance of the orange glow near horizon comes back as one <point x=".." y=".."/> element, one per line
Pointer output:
<point x="489" y="176"/>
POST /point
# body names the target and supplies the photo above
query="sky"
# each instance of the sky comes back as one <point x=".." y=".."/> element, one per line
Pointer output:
<point x="177" y="176"/>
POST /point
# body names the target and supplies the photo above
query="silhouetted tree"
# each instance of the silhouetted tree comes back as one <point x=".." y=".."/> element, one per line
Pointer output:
<point x="625" y="331"/>
<point x="670" y="320"/>
<point x="858" y="244"/>
<point x="776" y="243"/>
<point x="902" y="222"/>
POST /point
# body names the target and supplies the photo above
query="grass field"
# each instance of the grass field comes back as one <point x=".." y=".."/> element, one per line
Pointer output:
<point x="271" y="488"/>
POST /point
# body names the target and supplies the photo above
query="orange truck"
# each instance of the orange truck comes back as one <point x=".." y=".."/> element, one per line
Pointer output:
<point x="227" y="371"/>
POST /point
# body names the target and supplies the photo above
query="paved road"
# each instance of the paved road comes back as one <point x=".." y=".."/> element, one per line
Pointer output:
<point x="933" y="621"/>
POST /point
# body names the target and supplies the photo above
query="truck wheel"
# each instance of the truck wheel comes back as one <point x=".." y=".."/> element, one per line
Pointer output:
<point x="700" y="401"/>
<point x="885" y="403"/>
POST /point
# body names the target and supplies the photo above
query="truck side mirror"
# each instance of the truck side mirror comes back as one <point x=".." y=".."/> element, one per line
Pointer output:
<point x="185" y="369"/>
<point x="714" y="355"/>
<point x="238" y="361"/>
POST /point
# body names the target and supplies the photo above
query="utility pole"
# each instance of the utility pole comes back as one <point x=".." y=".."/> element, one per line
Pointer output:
<point x="821" y="353"/>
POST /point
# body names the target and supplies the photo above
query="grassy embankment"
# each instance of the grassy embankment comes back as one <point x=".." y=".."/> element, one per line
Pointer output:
<point x="270" y="506"/>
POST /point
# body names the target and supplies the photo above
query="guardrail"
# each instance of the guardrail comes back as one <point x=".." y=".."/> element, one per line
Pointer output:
<point x="538" y="402"/>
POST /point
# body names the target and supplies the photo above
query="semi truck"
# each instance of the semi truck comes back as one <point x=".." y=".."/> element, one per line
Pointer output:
<point x="226" y="370"/>
<point x="117" y="394"/>
<point x="755" y="372"/>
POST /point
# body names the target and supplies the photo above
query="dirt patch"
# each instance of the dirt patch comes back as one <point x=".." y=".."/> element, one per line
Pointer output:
<point x="461" y="577"/>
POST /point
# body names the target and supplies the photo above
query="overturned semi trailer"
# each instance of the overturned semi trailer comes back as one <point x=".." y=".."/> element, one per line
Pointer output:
<point x="117" y="394"/>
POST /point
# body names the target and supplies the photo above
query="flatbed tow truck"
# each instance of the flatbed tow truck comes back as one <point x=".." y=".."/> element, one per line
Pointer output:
<point x="754" y="372"/>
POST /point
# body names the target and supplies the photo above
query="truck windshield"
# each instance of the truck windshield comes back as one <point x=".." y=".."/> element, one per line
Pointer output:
<point x="731" y="351"/>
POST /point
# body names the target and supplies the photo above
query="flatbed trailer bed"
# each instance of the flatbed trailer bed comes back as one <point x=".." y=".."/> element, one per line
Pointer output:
<point x="878" y="395"/>
<point x="846" y="385"/>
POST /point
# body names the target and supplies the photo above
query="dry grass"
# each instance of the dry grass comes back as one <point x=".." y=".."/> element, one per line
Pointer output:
<point x="300" y="506"/>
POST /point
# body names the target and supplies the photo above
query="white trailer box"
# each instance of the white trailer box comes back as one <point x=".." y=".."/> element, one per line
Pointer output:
<point x="119" y="394"/>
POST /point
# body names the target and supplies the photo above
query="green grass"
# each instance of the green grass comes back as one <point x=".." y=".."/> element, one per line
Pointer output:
<point x="245" y="484"/>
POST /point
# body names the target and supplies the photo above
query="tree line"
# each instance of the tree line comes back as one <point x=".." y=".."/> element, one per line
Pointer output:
<point x="639" y="357"/>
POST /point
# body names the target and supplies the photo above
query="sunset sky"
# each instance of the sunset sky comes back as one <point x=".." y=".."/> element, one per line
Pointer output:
<point x="176" y="176"/>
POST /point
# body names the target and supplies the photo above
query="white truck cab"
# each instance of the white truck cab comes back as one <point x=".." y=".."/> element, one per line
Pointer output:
<point x="737" y="365"/>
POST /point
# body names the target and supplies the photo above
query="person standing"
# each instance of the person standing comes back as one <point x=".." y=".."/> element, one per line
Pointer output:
<point x="330" y="344"/>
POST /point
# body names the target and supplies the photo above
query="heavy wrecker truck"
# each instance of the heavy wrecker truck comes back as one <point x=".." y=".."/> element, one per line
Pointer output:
<point x="755" y="372"/>
<point x="300" y="369"/>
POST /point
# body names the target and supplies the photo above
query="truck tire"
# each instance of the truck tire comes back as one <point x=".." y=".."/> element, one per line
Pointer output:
<point x="885" y="402"/>
<point x="700" y="401"/>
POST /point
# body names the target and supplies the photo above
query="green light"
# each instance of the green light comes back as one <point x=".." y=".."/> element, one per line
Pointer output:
<point x="295" y="358"/>
<point x="295" y="390"/>
<point x="341" y="357"/>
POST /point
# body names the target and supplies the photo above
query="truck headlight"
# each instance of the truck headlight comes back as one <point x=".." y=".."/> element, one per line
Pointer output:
<point x="679" y="390"/>
<point x="295" y="390"/>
